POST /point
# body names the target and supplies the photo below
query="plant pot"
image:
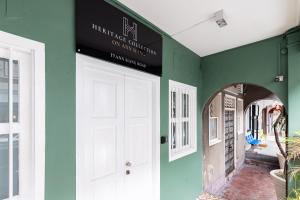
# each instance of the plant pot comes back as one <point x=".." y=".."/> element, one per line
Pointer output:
<point x="281" y="160"/>
<point x="279" y="183"/>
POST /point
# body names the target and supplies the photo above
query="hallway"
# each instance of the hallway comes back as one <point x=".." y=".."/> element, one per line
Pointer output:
<point x="251" y="183"/>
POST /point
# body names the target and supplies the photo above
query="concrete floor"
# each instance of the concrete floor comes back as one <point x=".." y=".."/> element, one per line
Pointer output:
<point x="270" y="150"/>
<point x="251" y="183"/>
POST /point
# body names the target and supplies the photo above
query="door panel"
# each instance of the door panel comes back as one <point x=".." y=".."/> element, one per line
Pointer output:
<point x="103" y="136"/>
<point x="104" y="100"/>
<point x="104" y="149"/>
<point x="138" y="138"/>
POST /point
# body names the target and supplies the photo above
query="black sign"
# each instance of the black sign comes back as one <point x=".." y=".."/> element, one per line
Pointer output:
<point x="105" y="32"/>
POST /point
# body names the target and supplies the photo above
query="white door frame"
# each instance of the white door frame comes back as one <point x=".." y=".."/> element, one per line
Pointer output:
<point x="113" y="68"/>
<point x="37" y="51"/>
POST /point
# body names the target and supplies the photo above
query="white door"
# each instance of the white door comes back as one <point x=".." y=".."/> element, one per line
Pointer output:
<point x="138" y="139"/>
<point x="114" y="135"/>
<point x="15" y="125"/>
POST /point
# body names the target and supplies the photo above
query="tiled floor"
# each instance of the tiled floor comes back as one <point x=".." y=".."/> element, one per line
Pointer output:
<point x="251" y="183"/>
<point x="207" y="196"/>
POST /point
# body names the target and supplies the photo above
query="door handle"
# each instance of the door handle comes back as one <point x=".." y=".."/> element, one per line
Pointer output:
<point x="127" y="172"/>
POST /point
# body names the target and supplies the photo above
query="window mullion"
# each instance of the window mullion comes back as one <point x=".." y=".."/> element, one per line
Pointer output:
<point x="190" y="123"/>
<point x="10" y="123"/>
<point x="180" y="119"/>
<point x="177" y="119"/>
<point x="191" y="110"/>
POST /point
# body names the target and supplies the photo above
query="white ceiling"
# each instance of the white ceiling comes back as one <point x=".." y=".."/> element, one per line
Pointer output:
<point x="248" y="20"/>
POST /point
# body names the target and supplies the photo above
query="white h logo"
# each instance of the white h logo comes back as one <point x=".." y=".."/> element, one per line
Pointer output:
<point x="129" y="29"/>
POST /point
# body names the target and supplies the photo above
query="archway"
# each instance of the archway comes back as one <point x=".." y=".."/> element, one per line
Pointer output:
<point x="224" y="136"/>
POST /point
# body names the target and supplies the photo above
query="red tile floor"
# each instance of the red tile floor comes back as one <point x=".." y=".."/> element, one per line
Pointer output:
<point x="251" y="183"/>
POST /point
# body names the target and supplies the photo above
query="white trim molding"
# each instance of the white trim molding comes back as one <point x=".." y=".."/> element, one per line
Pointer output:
<point x="37" y="52"/>
<point x="240" y="119"/>
<point x="219" y="117"/>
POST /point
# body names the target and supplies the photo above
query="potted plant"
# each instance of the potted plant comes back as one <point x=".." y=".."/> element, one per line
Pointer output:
<point x="279" y="176"/>
<point x="293" y="160"/>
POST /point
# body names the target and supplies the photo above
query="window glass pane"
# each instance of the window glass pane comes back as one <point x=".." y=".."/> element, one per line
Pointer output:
<point x="183" y="109"/>
<point x="16" y="164"/>
<point x="213" y="126"/>
<point x="4" y="166"/>
<point x="185" y="133"/>
<point x="4" y="94"/>
<point x="187" y="105"/>
<point x="173" y="139"/>
<point x="173" y="104"/>
<point x="16" y="91"/>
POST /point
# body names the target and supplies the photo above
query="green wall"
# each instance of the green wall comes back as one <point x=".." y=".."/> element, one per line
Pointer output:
<point x="52" y="22"/>
<point x="182" y="178"/>
<point x="294" y="81"/>
<point x="255" y="63"/>
<point x="293" y="45"/>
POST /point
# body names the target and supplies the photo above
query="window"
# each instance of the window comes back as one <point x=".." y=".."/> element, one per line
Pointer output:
<point x="182" y="120"/>
<point x="213" y="128"/>
<point x="21" y="118"/>
<point x="240" y="116"/>
<point x="9" y="141"/>
<point x="214" y="113"/>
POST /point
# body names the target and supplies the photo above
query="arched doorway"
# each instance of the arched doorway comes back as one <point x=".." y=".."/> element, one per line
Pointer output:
<point x="226" y="123"/>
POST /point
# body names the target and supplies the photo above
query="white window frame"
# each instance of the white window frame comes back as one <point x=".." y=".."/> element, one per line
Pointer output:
<point x="37" y="51"/>
<point x="241" y="130"/>
<point x="180" y="150"/>
<point x="218" y="139"/>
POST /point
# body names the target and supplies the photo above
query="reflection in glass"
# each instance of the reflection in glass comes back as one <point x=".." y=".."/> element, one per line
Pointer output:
<point x="173" y="104"/>
<point x="185" y="105"/>
<point x="16" y="91"/>
<point x="4" y="166"/>
<point x="185" y="133"/>
<point x="4" y="90"/>
<point x="16" y="164"/>
<point x="213" y="127"/>
<point x="173" y="128"/>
